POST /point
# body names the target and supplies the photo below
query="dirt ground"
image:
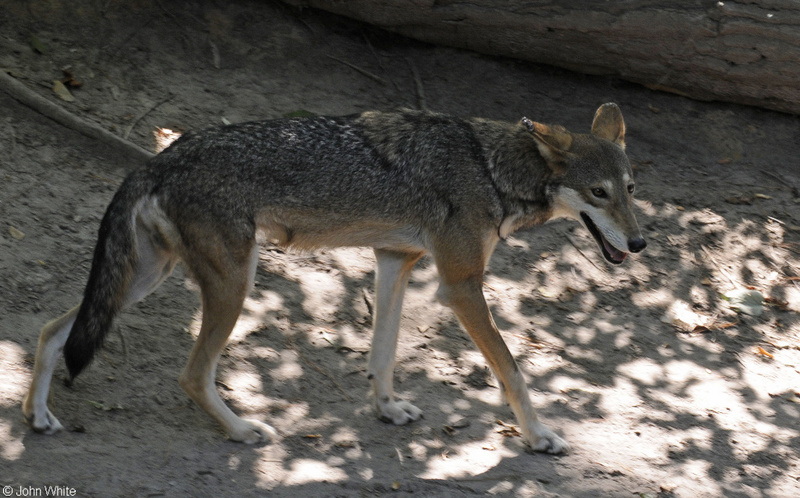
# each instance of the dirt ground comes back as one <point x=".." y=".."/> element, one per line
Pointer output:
<point x="660" y="386"/>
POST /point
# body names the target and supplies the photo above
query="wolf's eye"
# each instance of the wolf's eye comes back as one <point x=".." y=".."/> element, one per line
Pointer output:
<point x="599" y="193"/>
<point x="630" y="188"/>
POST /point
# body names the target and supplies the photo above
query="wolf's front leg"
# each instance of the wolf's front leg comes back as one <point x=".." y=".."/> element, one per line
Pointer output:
<point x="223" y="295"/>
<point x="466" y="299"/>
<point x="197" y="380"/>
<point x="391" y="280"/>
<point x="51" y="343"/>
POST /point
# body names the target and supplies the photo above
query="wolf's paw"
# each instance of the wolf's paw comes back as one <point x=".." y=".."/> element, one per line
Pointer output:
<point x="252" y="431"/>
<point x="44" y="424"/>
<point x="398" y="412"/>
<point x="547" y="441"/>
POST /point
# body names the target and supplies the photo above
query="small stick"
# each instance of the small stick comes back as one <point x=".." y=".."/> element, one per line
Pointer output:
<point x="316" y="367"/>
<point x="783" y="181"/>
<point x="25" y="96"/>
<point x="145" y="113"/>
<point x="214" y="54"/>
<point x="380" y="63"/>
<point x="367" y="300"/>
<point x="124" y="345"/>
<point x="584" y="254"/>
<point x="170" y="14"/>
<point x="418" y="83"/>
<point x="718" y="265"/>
<point x="362" y="71"/>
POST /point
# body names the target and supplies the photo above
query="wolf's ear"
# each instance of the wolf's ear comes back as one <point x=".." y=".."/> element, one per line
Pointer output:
<point x="553" y="141"/>
<point x="608" y="124"/>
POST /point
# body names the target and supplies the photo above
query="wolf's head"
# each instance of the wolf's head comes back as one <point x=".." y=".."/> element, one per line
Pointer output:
<point x="595" y="181"/>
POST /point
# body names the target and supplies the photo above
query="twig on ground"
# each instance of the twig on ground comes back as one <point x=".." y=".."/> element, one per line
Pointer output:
<point x="316" y="367"/>
<point x="367" y="300"/>
<point x="358" y="69"/>
<point x="25" y="96"/>
<point x="145" y="113"/>
<point x="783" y="181"/>
<point x="718" y="265"/>
<point x="418" y="83"/>
<point x="380" y="63"/>
<point x="584" y="254"/>
<point x="124" y="343"/>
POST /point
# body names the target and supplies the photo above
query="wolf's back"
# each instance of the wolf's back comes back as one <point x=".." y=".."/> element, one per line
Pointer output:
<point x="113" y="266"/>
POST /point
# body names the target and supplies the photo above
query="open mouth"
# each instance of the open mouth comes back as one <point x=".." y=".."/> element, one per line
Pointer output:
<point x="611" y="253"/>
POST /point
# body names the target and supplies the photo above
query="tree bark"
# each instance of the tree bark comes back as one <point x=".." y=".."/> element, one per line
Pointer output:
<point x="745" y="51"/>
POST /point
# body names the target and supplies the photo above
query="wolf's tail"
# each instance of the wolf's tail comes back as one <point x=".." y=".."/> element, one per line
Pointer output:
<point x="113" y="266"/>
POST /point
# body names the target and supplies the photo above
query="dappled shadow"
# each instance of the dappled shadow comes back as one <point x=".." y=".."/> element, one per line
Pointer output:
<point x="590" y="337"/>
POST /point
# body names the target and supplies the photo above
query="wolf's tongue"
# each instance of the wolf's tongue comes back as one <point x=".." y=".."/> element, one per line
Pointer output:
<point x="615" y="253"/>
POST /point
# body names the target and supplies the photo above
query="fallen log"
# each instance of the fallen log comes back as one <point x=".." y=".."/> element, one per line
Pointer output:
<point x="745" y="51"/>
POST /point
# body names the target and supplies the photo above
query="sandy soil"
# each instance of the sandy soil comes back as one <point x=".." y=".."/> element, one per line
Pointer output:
<point x="704" y="404"/>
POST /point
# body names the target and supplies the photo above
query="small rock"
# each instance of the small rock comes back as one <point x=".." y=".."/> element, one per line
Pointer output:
<point x="17" y="234"/>
<point x="460" y="423"/>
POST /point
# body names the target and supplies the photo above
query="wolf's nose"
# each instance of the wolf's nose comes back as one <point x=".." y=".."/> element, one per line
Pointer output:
<point x="636" y="245"/>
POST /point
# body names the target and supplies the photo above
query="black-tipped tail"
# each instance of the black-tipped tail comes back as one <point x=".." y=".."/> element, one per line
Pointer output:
<point x="113" y="265"/>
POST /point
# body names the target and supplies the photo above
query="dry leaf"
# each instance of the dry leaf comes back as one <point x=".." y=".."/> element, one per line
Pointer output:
<point x="105" y="407"/>
<point x="764" y="352"/>
<point x="777" y="303"/>
<point x="69" y="79"/>
<point x="740" y="199"/>
<point x="725" y="160"/>
<point x="745" y="300"/>
<point x="38" y="45"/>
<point x="546" y="293"/>
<point x="790" y="396"/>
<point x="62" y="92"/>
<point x="508" y="430"/>
<point x="762" y="196"/>
<point x="164" y="138"/>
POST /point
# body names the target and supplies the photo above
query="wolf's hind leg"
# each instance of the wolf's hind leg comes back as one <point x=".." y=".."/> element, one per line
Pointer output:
<point x="156" y="256"/>
<point x="223" y="293"/>
<point x="51" y="342"/>
<point x="154" y="263"/>
<point x="391" y="280"/>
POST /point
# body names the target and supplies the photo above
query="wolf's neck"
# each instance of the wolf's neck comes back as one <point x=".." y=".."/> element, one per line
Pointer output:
<point x="520" y="175"/>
